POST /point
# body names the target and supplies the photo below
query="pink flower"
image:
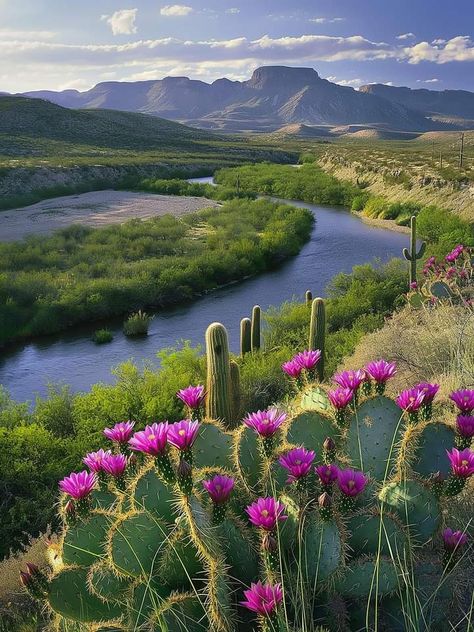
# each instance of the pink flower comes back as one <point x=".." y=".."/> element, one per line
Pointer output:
<point x="307" y="359"/>
<point x="327" y="473"/>
<point x="350" y="379"/>
<point x="219" y="488"/>
<point x="266" y="512"/>
<point x="462" y="462"/>
<point x="192" y="396"/>
<point x="351" y="482"/>
<point x="293" y="369"/>
<point x="152" y="440"/>
<point x="411" y="400"/>
<point x="453" y="539"/>
<point x="413" y="285"/>
<point x="298" y="463"/>
<point x="381" y="370"/>
<point x="429" y="391"/>
<point x="78" y="485"/>
<point x="340" y="397"/>
<point x="464" y="400"/>
<point x="115" y="465"/>
<point x="454" y="254"/>
<point x="263" y="598"/>
<point x="465" y="426"/>
<point x="265" y="422"/>
<point x="182" y="434"/>
<point x="95" y="460"/>
<point x="121" y="432"/>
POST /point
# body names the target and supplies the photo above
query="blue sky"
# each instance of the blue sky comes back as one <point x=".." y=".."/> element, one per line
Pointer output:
<point x="59" y="44"/>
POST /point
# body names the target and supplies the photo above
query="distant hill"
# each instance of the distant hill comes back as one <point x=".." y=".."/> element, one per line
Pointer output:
<point x="275" y="96"/>
<point x="23" y="117"/>
<point x="455" y="104"/>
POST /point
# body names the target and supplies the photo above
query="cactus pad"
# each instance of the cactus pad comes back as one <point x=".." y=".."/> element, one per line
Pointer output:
<point x="153" y="495"/>
<point x="84" y="543"/>
<point x="213" y="447"/>
<point x="321" y="549"/>
<point x="249" y="459"/>
<point x="311" y="429"/>
<point x="360" y="579"/>
<point x="180" y="566"/>
<point x="430" y="455"/>
<point x="106" y="584"/>
<point x="315" y="398"/>
<point x="239" y="552"/>
<point x="441" y="290"/>
<point x="365" y="531"/>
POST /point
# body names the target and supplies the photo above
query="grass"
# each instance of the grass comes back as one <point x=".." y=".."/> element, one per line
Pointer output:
<point x="137" y="324"/>
<point x="102" y="336"/>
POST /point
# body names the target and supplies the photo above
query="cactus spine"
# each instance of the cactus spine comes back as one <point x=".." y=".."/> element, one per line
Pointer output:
<point x="308" y="298"/>
<point x="412" y="255"/>
<point x="245" y="336"/>
<point x="255" y="329"/>
<point x="317" y="332"/>
<point x="219" y="388"/>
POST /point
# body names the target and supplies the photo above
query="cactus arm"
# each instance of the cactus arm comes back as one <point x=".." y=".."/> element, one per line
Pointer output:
<point x="422" y="250"/>
<point x="308" y="297"/>
<point x="255" y="329"/>
<point x="406" y="254"/>
<point x="317" y="332"/>
<point x="219" y="389"/>
<point x="245" y="336"/>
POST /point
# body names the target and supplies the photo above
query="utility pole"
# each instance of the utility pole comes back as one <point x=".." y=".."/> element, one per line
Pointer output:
<point x="461" y="152"/>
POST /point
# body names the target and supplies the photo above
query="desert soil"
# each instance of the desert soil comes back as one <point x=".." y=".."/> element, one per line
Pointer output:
<point x="97" y="208"/>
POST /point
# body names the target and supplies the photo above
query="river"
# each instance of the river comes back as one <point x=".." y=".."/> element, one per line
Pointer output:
<point x="339" y="241"/>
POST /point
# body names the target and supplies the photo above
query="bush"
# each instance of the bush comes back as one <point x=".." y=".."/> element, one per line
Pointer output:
<point x="101" y="336"/>
<point x="137" y="324"/>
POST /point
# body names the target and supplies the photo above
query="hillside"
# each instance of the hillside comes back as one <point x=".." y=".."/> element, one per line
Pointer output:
<point x="273" y="97"/>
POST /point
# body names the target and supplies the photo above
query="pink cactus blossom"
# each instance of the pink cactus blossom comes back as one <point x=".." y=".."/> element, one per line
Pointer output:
<point x="293" y="369"/>
<point x="152" y="440"/>
<point x="413" y="285"/>
<point x="351" y="482"/>
<point x="219" y="488"/>
<point x="115" y="464"/>
<point x="381" y="370"/>
<point x="462" y="462"/>
<point x="263" y="598"/>
<point x="297" y="462"/>
<point x="266" y="512"/>
<point x="308" y="359"/>
<point x="350" y="379"/>
<point x="182" y="434"/>
<point x="340" y="397"/>
<point x="464" y="400"/>
<point x="121" y="432"/>
<point x="465" y="426"/>
<point x="265" y="422"/>
<point x="95" y="460"/>
<point x="411" y="400"/>
<point x="454" y="254"/>
<point x="78" y="485"/>
<point x="327" y="473"/>
<point x="192" y="396"/>
<point x="453" y="539"/>
<point x="429" y="391"/>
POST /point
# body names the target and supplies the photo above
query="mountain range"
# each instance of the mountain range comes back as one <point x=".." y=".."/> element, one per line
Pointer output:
<point x="273" y="97"/>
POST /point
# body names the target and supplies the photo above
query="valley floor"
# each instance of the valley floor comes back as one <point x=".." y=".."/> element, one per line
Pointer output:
<point x="96" y="208"/>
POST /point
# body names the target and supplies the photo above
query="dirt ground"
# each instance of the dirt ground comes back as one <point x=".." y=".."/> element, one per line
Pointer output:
<point x="97" y="208"/>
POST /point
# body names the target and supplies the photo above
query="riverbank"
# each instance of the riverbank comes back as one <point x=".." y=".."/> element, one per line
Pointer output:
<point x="388" y="224"/>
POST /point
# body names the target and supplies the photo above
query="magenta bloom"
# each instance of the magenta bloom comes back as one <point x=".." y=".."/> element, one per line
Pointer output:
<point x="292" y="368"/>
<point x="454" y="254"/>
<point x="462" y="462"/>
<point x="115" y="465"/>
<point x="381" y="370"/>
<point x="413" y="285"/>
<point x="219" y="488"/>
<point x="266" y="512"/>
<point x="78" y="485"/>
<point x="429" y="391"/>
<point x="340" y="397"/>
<point x="351" y="482"/>
<point x="192" y="396"/>
<point x="453" y="539"/>
<point x="152" y="440"/>
<point x="350" y="379"/>
<point x="464" y="400"/>
<point x="95" y="460"/>
<point x="265" y="422"/>
<point x="465" y="426"/>
<point x="121" y="432"/>
<point x="411" y="400"/>
<point x="308" y="359"/>
<point x="298" y="463"/>
<point x="327" y="473"/>
<point x="262" y="598"/>
<point x="182" y="434"/>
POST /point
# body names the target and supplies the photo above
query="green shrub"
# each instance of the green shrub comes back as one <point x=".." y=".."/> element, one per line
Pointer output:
<point x="137" y="324"/>
<point x="101" y="336"/>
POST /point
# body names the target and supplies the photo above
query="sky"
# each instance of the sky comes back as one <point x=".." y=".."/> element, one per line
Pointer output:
<point x="62" y="44"/>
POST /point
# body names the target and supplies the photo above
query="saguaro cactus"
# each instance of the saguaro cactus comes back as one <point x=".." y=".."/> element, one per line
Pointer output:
<point x="245" y="336"/>
<point x="317" y="332"/>
<point x="219" y="386"/>
<point x="308" y="297"/>
<point x="235" y="382"/>
<point x="412" y="255"/>
<point x="255" y="329"/>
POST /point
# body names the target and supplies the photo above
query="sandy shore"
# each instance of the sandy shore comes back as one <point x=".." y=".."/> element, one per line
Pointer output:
<point x="389" y="224"/>
<point x="97" y="208"/>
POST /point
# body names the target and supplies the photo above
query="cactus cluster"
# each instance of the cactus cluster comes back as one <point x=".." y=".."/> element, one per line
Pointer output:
<point x="328" y="513"/>
<point x="413" y="255"/>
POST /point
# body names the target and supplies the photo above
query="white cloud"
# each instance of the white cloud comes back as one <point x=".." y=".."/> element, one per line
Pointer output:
<point x="406" y="36"/>
<point x="10" y="34"/>
<point x="460" y="48"/>
<point x="326" y="20"/>
<point x="233" y="11"/>
<point x="428" y="80"/>
<point x="122" y="22"/>
<point x="176" y="10"/>
<point x="354" y="83"/>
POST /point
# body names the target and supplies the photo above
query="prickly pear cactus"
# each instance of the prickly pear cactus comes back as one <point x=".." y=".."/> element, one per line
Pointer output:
<point x="322" y="502"/>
